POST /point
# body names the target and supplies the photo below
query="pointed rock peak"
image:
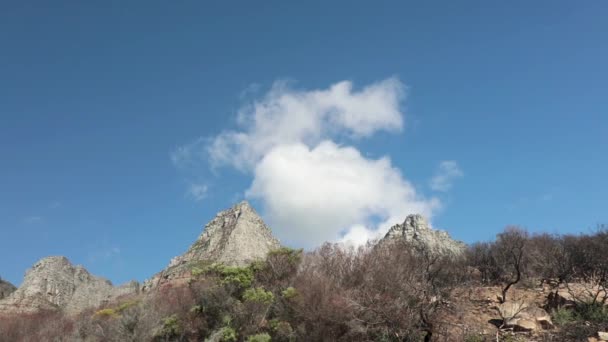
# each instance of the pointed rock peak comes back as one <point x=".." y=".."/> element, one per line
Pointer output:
<point x="416" y="230"/>
<point x="236" y="237"/>
<point x="416" y="222"/>
<point x="243" y="205"/>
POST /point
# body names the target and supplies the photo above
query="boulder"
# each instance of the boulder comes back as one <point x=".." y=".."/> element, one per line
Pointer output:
<point x="522" y="316"/>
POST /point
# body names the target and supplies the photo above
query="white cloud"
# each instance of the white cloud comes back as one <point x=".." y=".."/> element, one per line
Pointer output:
<point x="314" y="189"/>
<point x="311" y="195"/>
<point x="197" y="191"/>
<point x="447" y="172"/>
<point x="287" y="116"/>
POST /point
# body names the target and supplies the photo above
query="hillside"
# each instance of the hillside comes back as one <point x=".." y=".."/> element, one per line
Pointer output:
<point x="237" y="283"/>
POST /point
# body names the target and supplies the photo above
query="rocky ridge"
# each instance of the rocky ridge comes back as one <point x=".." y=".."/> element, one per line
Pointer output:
<point x="417" y="231"/>
<point x="53" y="283"/>
<point x="235" y="237"/>
<point x="6" y="288"/>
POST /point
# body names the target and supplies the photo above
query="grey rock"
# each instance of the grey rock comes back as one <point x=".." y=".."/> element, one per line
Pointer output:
<point x="415" y="230"/>
<point x="6" y="288"/>
<point x="235" y="237"/>
<point x="53" y="283"/>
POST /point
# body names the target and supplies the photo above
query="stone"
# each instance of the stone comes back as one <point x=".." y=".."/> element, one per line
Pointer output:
<point x="6" y="288"/>
<point x="235" y="237"/>
<point x="417" y="231"/>
<point x="522" y="316"/>
<point x="603" y="336"/>
<point x="53" y="283"/>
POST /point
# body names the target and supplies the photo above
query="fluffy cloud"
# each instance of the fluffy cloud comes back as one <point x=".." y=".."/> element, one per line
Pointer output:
<point x="311" y="195"/>
<point x="287" y="116"/>
<point x="313" y="186"/>
<point x="447" y="172"/>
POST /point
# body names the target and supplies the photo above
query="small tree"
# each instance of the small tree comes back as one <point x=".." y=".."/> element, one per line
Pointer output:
<point x="510" y="253"/>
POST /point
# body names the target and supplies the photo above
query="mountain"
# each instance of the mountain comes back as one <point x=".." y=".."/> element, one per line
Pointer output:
<point x="6" y="288"/>
<point x="53" y="283"/>
<point x="235" y="237"/>
<point x="416" y="230"/>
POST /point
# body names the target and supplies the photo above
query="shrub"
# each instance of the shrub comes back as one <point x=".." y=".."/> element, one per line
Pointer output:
<point x="258" y="295"/>
<point x="107" y="313"/>
<point x="563" y="316"/>
<point x="170" y="327"/>
<point x="239" y="276"/>
<point x="126" y="305"/>
<point x="259" y="338"/>
<point x="289" y="293"/>
<point x="229" y="335"/>
<point x="593" y="312"/>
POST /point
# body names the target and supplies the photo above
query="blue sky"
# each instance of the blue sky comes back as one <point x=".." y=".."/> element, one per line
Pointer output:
<point x="97" y="100"/>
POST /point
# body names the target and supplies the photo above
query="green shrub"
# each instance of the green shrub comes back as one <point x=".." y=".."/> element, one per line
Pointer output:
<point x="197" y="271"/>
<point x="563" y="316"/>
<point x="197" y="309"/>
<point x="595" y="312"/>
<point x="107" y="313"/>
<point x="289" y="293"/>
<point x="229" y="335"/>
<point x="293" y="255"/>
<point x="258" y="295"/>
<point x="281" y="329"/>
<point x="170" y="327"/>
<point x="128" y="304"/>
<point x="238" y="276"/>
<point x="259" y="338"/>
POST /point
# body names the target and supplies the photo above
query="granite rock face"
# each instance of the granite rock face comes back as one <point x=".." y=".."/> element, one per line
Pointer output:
<point x="415" y="230"/>
<point x="53" y="283"/>
<point x="235" y="237"/>
<point x="6" y="288"/>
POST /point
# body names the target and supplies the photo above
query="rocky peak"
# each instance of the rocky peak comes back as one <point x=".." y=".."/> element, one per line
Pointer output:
<point x="6" y="288"/>
<point x="235" y="237"/>
<point x="54" y="283"/>
<point x="415" y="229"/>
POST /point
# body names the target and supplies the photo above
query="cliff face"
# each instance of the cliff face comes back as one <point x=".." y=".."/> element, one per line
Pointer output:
<point x="235" y="237"/>
<point x="416" y="230"/>
<point x="53" y="283"/>
<point x="6" y="288"/>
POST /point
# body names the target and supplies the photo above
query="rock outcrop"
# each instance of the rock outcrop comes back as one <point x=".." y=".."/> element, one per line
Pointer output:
<point x="235" y="237"/>
<point x="53" y="283"/>
<point x="522" y="316"/>
<point x="6" y="288"/>
<point x="415" y="230"/>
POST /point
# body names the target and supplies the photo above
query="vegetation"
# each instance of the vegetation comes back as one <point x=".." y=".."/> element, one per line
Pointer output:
<point x="388" y="292"/>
